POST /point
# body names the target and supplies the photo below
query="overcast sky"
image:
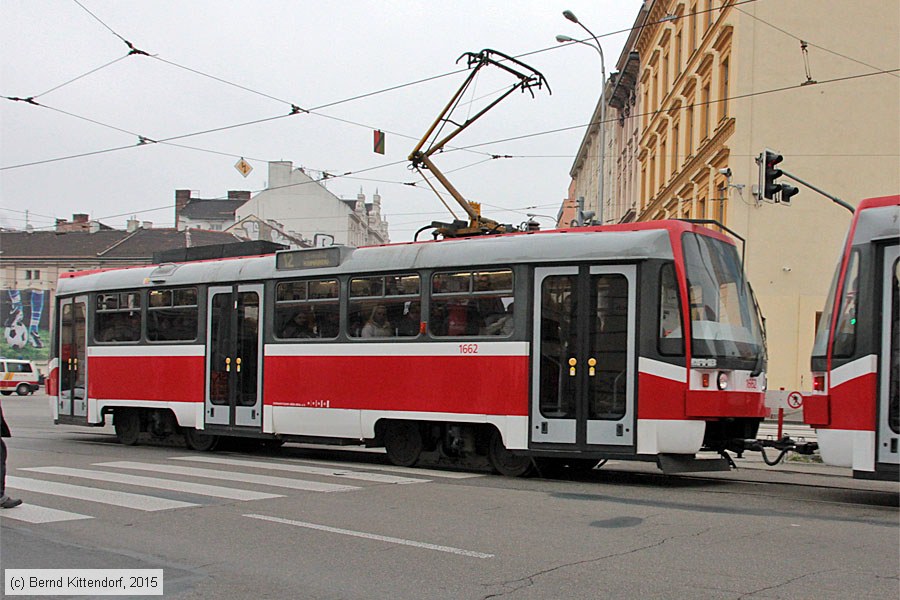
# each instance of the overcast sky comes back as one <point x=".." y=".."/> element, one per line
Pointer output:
<point x="310" y="54"/>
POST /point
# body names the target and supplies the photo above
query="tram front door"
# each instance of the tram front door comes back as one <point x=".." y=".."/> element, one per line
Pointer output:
<point x="71" y="401"/>
<point x="889" y="396"/>
<point x="234" y="357"/>
<point x="583" y="367"/>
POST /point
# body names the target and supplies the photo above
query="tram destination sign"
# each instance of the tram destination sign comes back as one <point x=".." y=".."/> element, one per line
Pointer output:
<point x="308" y="258"/>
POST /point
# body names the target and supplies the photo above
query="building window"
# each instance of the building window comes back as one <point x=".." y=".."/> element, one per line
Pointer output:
<point x="676" y="161"/>
<point x="704" y="111"/>
<point x="665" y="75"/>
<point x="678" y="53"/>
<point x="692" y="27"/>
<point x="689" y="130"/>
<point x="723" y="91"/>
<point x="663" y="170"/>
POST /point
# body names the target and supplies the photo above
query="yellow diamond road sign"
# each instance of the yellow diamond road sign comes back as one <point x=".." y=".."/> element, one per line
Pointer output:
<point x="243" y="166"/>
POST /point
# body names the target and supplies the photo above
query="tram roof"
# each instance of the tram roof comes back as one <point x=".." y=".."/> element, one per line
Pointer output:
<point x="877" y="219"/>
<point x="635" y="241"/>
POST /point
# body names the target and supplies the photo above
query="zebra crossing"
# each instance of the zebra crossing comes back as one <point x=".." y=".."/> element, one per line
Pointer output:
<point x="153" y="484"/>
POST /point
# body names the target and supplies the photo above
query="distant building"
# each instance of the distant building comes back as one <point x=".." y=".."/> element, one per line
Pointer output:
<point x="212" y="214"/>
<point x="80" y="222"/>
<point x="255" y="229"/>
<point x="30" y="264"/>
<point x="309" y="211"/>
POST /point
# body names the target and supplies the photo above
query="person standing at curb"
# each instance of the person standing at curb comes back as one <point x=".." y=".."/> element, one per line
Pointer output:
<point x="5" y="501"/>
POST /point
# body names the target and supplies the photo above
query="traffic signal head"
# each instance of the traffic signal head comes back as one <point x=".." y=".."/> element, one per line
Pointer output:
<point x="770" y="174"/>
<point x="786" y="192"/>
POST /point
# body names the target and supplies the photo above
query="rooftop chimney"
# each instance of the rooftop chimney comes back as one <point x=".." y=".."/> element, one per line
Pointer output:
<point x="80" y="218"/>
<point x="238" y="195"/>
<point x="132" y="226"/>
<point x="182" y="197"/>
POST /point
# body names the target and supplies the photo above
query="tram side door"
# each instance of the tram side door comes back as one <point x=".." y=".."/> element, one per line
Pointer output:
<point x="234" y="357"/>
<point x="889" y="369"/>
<point x="583" y="367"/>
<point x="71" y="398"/>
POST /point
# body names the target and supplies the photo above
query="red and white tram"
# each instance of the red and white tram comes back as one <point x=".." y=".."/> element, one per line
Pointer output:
<point x="638" y="341"/>
<point x="855" y="402"/>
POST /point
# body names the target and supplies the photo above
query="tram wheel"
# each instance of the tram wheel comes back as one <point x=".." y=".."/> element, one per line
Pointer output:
<point x="403" y="442"/>
<point x="128" y="426"/>
<point x="199" y="441"/>
<point x="505" y="462"/>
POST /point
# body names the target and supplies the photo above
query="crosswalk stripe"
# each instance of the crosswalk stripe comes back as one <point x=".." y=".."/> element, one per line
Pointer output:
<point x="77" y="492"/>
<point x="199" y="489"/>
<point x="31" y="513"/>
<point x="300" y="468"/>
<point x="294" y="484"/>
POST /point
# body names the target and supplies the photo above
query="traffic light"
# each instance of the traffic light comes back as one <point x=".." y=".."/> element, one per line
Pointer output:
<point x="786" y="192"/>
<point x="770" y="174"/>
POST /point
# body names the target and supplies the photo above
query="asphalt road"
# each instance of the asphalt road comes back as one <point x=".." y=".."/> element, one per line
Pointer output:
<point x="322" y="523"/>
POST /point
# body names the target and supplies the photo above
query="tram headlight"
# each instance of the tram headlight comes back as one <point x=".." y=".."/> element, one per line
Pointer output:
<point x="722" y="380"/>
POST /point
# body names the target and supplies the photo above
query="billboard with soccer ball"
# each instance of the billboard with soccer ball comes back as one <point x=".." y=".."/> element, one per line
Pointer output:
<point x="25" y="315"/>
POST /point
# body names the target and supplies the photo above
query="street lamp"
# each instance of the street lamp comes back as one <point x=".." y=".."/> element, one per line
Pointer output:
<point x="602" y="133"/>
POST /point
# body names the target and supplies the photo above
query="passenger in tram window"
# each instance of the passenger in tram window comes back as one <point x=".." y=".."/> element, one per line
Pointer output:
<point x="410" y="325"/>
<point x="378" y="324"/>
<point x="328" y="321"/>
<point x="457" y="317"/>
<point x="301" y="325"/>
<point x="499" y="324"/>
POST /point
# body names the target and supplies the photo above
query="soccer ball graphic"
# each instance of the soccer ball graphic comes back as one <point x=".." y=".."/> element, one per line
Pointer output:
<point x="16" y="336"/>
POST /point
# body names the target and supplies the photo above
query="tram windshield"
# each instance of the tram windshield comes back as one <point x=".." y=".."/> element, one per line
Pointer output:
<point x="724" y="321"/>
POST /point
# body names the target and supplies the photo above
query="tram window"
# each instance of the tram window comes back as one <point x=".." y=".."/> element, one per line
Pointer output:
<point x="671" y="336"/>
<point x="381" y="306"/>
<point x="172" y="315"/>
<point x="118" y="317"/>
<point x="472" y="303"/>
<point x="845" y="331"/>
<point x="307" y="309"/>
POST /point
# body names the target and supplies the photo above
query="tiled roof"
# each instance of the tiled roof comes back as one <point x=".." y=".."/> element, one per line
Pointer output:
<point x="115" y="244"/>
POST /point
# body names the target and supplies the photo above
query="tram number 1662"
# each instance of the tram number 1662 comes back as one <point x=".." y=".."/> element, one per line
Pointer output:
<point x="468" y="348"/>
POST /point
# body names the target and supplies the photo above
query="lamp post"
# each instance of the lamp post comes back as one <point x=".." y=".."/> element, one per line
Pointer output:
<point x="602" y="133"/>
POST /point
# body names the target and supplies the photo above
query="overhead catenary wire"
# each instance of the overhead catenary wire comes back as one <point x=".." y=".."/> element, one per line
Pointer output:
<point x="295" y="108"/>
<point x="469" y="147"/>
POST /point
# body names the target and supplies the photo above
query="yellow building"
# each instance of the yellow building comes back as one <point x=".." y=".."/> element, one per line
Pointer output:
<point x="704" y="86"/>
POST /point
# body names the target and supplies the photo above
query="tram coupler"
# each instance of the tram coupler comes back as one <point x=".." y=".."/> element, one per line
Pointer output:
<point x="784" y="445"/>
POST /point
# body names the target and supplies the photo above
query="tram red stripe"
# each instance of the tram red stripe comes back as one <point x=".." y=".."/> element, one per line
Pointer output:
<point x="852" y="404"/>
<point x="660" y="398"/>
<point x="165" y="378"/>
<point x="493" y="385"/>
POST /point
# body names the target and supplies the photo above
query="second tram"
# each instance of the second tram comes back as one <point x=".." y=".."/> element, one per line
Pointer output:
<point x="855" y="402"/>
<point x="639" y="341"/>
